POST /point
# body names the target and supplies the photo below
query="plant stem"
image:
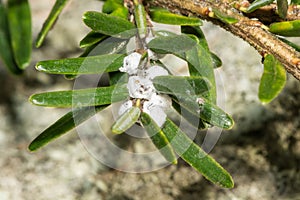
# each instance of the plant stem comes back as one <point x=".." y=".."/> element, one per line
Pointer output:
<point x="253" y="32"/>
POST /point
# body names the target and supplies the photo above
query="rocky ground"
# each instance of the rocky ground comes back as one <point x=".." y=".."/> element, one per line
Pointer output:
<point x="262" y="152"/>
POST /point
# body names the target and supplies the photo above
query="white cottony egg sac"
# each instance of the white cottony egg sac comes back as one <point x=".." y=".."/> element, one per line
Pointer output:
<point x="157" y="113"/>
<point x="131" y="63"/>
<point x="155" y="71"/>
<point x="140" y="88"/>
<point x="125" y="106"/>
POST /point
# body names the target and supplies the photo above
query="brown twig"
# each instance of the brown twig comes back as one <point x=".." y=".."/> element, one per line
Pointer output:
<point x="253" y="32"/>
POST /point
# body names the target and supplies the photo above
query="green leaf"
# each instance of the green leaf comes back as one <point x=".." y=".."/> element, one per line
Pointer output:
<point x="217" y="62"/>
<point x="227" y="19"/>
<point x="5" y="47"/>
<point x="19" y="21"/>
<point x="196" y="157"/>
<point x="258" y="4"/>
<point x="196" y="31"/>
<point x="181" y="85"/>
<point x="282" y="6"/>
<point x="91" y="38"/>
<point x="287" y="28"/>
<point x="295" y="46"/>
<point x="273" y="79"/>
<point x="205" y="110"/>
<point x="158" y="138"/>
<point x="126" y="120"/>
<point x="163" y="16"/>
<point x="295" y="2"/>
<point x="177" y="44"/>
<point x="109" y="25"/>
<point x="121" y="12"/>
<point x="82" y="65"/>
<point x="82" y="97"/>
<point x="51" y="19"/>
<point x="200" y="64"/>
<point x="108" y="46"/>
<point x="140" y="17"/>
<point x="110" y="6"/>
<point x="190" y="118"/>
<point x="63" y="125"/>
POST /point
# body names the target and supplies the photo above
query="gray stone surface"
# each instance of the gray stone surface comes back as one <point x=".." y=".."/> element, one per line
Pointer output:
<point x="262" y="151"/>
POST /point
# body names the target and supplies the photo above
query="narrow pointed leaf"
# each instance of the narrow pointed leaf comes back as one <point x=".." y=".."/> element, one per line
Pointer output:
<point x="227" y="19"/>
<point x="282" y="6"/>
<point x="196" y="157"/>
<point x="91" y="38"/>
<point x="19" y="21"/>
<point x="83" y="97"/>
<point x="287" y="28"/>
<point x="126" y="120"/>
<point x="109" y="25"/>
<point x="258" y="4"/>
<point x="295" y="46"/>
<point x="163" y="16"/>
<point x="6" y="53"/>
<point x="63" y="125"/>
<point x="207" y="111"/>
<point x="51" y="19"/>
<point x="82" y="65"/>
<point x="181" y="85"/>
<point x="158" y="138"/>
<point x="140" y="17"/>
<point x="273" y="79"/>
<point x="177" y="44"/>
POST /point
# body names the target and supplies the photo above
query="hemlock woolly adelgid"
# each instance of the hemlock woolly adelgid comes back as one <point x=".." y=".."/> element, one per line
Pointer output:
<point x="140" y="86"/>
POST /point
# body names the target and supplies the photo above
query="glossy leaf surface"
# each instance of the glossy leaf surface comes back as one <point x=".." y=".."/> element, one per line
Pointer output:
<point x="181" y="85"/>
<point x="126" y="120"/>
<point x="20" y="31"/>
<point x="196" y="157"/>
<point x="205" y="110"/>
<point x="109" y="25"/>
<point x="258" y="4"/>
<point x="82" y="97"/>
<point x="6" y="53"/>
<point x="273" y="79"/>
<point x="63" y="125"/>
<point x="51" y="19"/>
<point x="224" y="17"/>
<point x="163" y="16"/>
<point x="176" y="44"/>
<point x="82" y="65"/>
<point x="91" y="38"/>
<point x="158" y="138"/>
<point x="287" y="28"/>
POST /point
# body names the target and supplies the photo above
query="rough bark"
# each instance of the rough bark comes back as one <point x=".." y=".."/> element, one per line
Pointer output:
<point x="252" y="31"/>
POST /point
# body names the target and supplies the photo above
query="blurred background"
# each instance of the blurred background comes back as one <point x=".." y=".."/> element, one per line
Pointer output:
<point x="262" y="152"/>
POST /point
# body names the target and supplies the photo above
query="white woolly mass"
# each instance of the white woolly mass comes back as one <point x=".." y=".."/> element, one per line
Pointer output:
<point x="156" y="113"/>
<point x="131" y="63"/>
<point x="125" y="106"/>
<point x="155" y="71"/>
<point x="140" y="88"/>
